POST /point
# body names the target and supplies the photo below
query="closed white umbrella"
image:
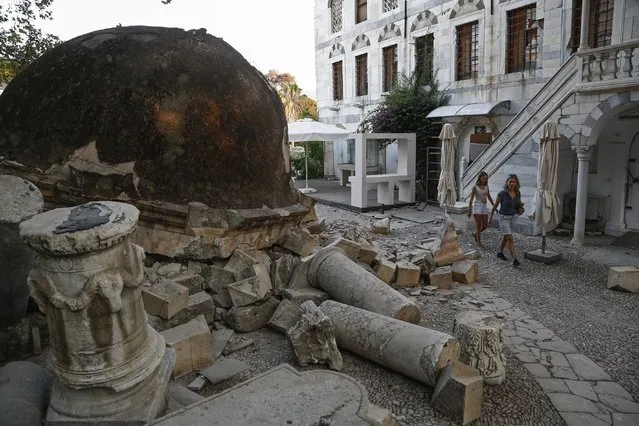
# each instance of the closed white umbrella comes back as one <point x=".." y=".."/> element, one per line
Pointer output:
<point x="446" y="191"/>
<point x="307" y="130"/>
<point x="546" y="198"/>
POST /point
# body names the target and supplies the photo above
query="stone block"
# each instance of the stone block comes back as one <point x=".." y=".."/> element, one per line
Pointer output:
<point x="250" y="290"/>
<point x="223" y="369"/>
<point x="458" y="393"/>
<point x="194" y="282"/>
<point x="316" y="226"/>
<point x="386" y="271"/>
<point x="465" y="271"/>
<point x="169" y="270"/>
<point x="218" y="283"/>
<point x="547" y="257"/>
<point x="367" y="253"/>
<point x="441" y="277"/>
<point x="220" y="338"/>
<point x="198" y="304"/>
<point x="245" y="319"/>
<point x="625" y="278"/>
<point x="301" y="295"/>
<point x="300" y="275"/>
<point x="286" y="316"/>
<point x="382" y="226"/>
<point x="239" y="262"/>
<point x="165" y="298"/>
<point x="299" y="241"/>
<point x="192" y="344"/>
<point x="282" y="272"/>
<point x="425" y="260"/>
<point x="350" y="248"/>
<point x="301" y="397"/>
<point x="407" y="274"/>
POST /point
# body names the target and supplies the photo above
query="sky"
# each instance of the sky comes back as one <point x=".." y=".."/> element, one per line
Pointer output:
<point x="275" y="34"/>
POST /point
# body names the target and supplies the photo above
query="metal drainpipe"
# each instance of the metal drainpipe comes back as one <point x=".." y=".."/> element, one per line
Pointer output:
<point x="406" y="61"/>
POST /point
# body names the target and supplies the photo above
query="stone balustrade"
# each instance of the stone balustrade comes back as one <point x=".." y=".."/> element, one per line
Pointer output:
<point x="609" y="67"/>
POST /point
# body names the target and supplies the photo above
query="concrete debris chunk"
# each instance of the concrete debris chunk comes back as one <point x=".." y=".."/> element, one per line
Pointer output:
<point x="407" y="274"/>
<point x="244" y="319"/>
<point x="194" y="282"/>
<point x="425" y="261"/>
<point x="250" y="290"/>
<point x="223" y="369"/>
<point x="465" y="271"/>
<point x="299" y="241"/>
<point x="219" y="340"/>
<point x="239" y="263"/>
<point x="282" y="272"/>
<point x="218" y="283"/>
<point x="382" y="226"/>
<point x="186" y="396"/>
<point x="169" y="270"/>
<point x="624" y="278"/>
<point x="313" y="339"/>
<point x="192" y="344"/>
<point x="448" y="251"/>
<point x="165" y="298"/>
<point x="386" y="271"/>
<point x="442" y="277"/>
<point x="301" y="295"/>
<point x="350" y="248"/>
<point x="459" y="393"/>
<point x="316" y="226"/>
<point x="198" y="304"/>
<point x="197" y="384"/>
<point x="367" y="252"/>
<point x="237" y="343"/>
<point x="286" y="316"/>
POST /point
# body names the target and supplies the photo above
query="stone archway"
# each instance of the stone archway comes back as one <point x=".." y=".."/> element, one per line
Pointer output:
<point x="466" y="6"/>
<point x="424" y="20"/>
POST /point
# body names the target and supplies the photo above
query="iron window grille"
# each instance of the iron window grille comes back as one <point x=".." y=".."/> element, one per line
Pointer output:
<point x="467" y="48"/>
<point x="424" y="53"/>
<point x="599" y="25"/>
<point x="521" y="54"/>
<point x="361" y="75"/>
<point x="336" y="16"/>
<point x="338" y="81"/>
<point x="390" y="67"/>
<point x="389" y="5"/>
<point x="361" y="11"/>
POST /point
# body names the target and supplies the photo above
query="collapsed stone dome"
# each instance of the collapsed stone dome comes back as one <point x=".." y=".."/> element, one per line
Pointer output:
<point x="182" y="111"/>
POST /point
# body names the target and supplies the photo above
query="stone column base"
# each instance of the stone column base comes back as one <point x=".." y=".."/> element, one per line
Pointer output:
<point x="151" y="396"/>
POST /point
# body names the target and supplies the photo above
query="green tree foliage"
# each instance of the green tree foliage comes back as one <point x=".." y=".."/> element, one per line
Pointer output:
<point x="315" y="161"/>
<point x="404" y="110"/>
<point x="21" y="41"/>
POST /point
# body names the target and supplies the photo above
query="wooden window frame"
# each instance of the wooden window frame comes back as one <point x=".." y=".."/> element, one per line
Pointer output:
<point x="600" y="24"/>
<point x="361" y="11"/>
<point x="467" y="51"/>
<point x="522" y="39"/>
<point x="389" y="67"/>
<point x="338" y="80"/>
<point x="361" y="75"/>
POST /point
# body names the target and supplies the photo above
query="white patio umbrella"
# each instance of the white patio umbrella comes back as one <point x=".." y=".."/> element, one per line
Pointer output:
<point x="308" y="130"/>
<point x="546" y="198"/>
<point x="446" y="191"/>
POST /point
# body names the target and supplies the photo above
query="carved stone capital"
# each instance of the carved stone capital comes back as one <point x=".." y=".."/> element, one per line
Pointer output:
<point x="583" y="152"/>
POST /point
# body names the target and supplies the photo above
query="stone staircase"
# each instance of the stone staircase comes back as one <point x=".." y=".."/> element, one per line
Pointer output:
<point x="522" y="127"/>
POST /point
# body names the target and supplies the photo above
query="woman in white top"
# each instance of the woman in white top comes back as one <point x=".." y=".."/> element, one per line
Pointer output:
<point x="478" y="207"/>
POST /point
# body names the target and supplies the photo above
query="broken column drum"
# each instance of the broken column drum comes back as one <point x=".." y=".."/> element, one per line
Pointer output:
<point x="87" y="281"/>
<point x="417" y="352"/>
<point x="349" y="283"/>
<point x="20" y="201"/>
<point x="481" y="344"/>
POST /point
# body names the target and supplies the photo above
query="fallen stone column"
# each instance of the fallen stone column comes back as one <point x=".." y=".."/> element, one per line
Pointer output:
<point x="417" y="352"/>
<point x="109" y="364"/>
<point x="349" y="283"/>
<point x="20" y="201"/>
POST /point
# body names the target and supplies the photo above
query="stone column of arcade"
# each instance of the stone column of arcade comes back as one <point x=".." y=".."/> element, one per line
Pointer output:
<point x="110" y="366"/>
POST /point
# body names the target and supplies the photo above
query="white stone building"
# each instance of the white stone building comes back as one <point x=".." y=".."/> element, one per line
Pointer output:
<point x="509" y="66"/>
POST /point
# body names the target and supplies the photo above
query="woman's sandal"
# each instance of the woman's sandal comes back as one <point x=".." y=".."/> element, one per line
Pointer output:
<point x="501" y="256"/>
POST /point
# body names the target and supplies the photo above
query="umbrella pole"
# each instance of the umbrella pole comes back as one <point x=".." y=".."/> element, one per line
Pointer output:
<point x="543" y="240"/>
<point x="306" y="162"/>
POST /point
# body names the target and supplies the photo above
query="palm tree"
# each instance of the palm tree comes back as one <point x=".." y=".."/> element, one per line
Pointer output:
<point x="291" y="98"/>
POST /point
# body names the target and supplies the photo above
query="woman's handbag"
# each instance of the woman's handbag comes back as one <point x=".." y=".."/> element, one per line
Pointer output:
<point x="520" y="209"/>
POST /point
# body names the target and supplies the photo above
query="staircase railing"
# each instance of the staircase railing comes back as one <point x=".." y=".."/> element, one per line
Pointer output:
<point x="524" y="124"/>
